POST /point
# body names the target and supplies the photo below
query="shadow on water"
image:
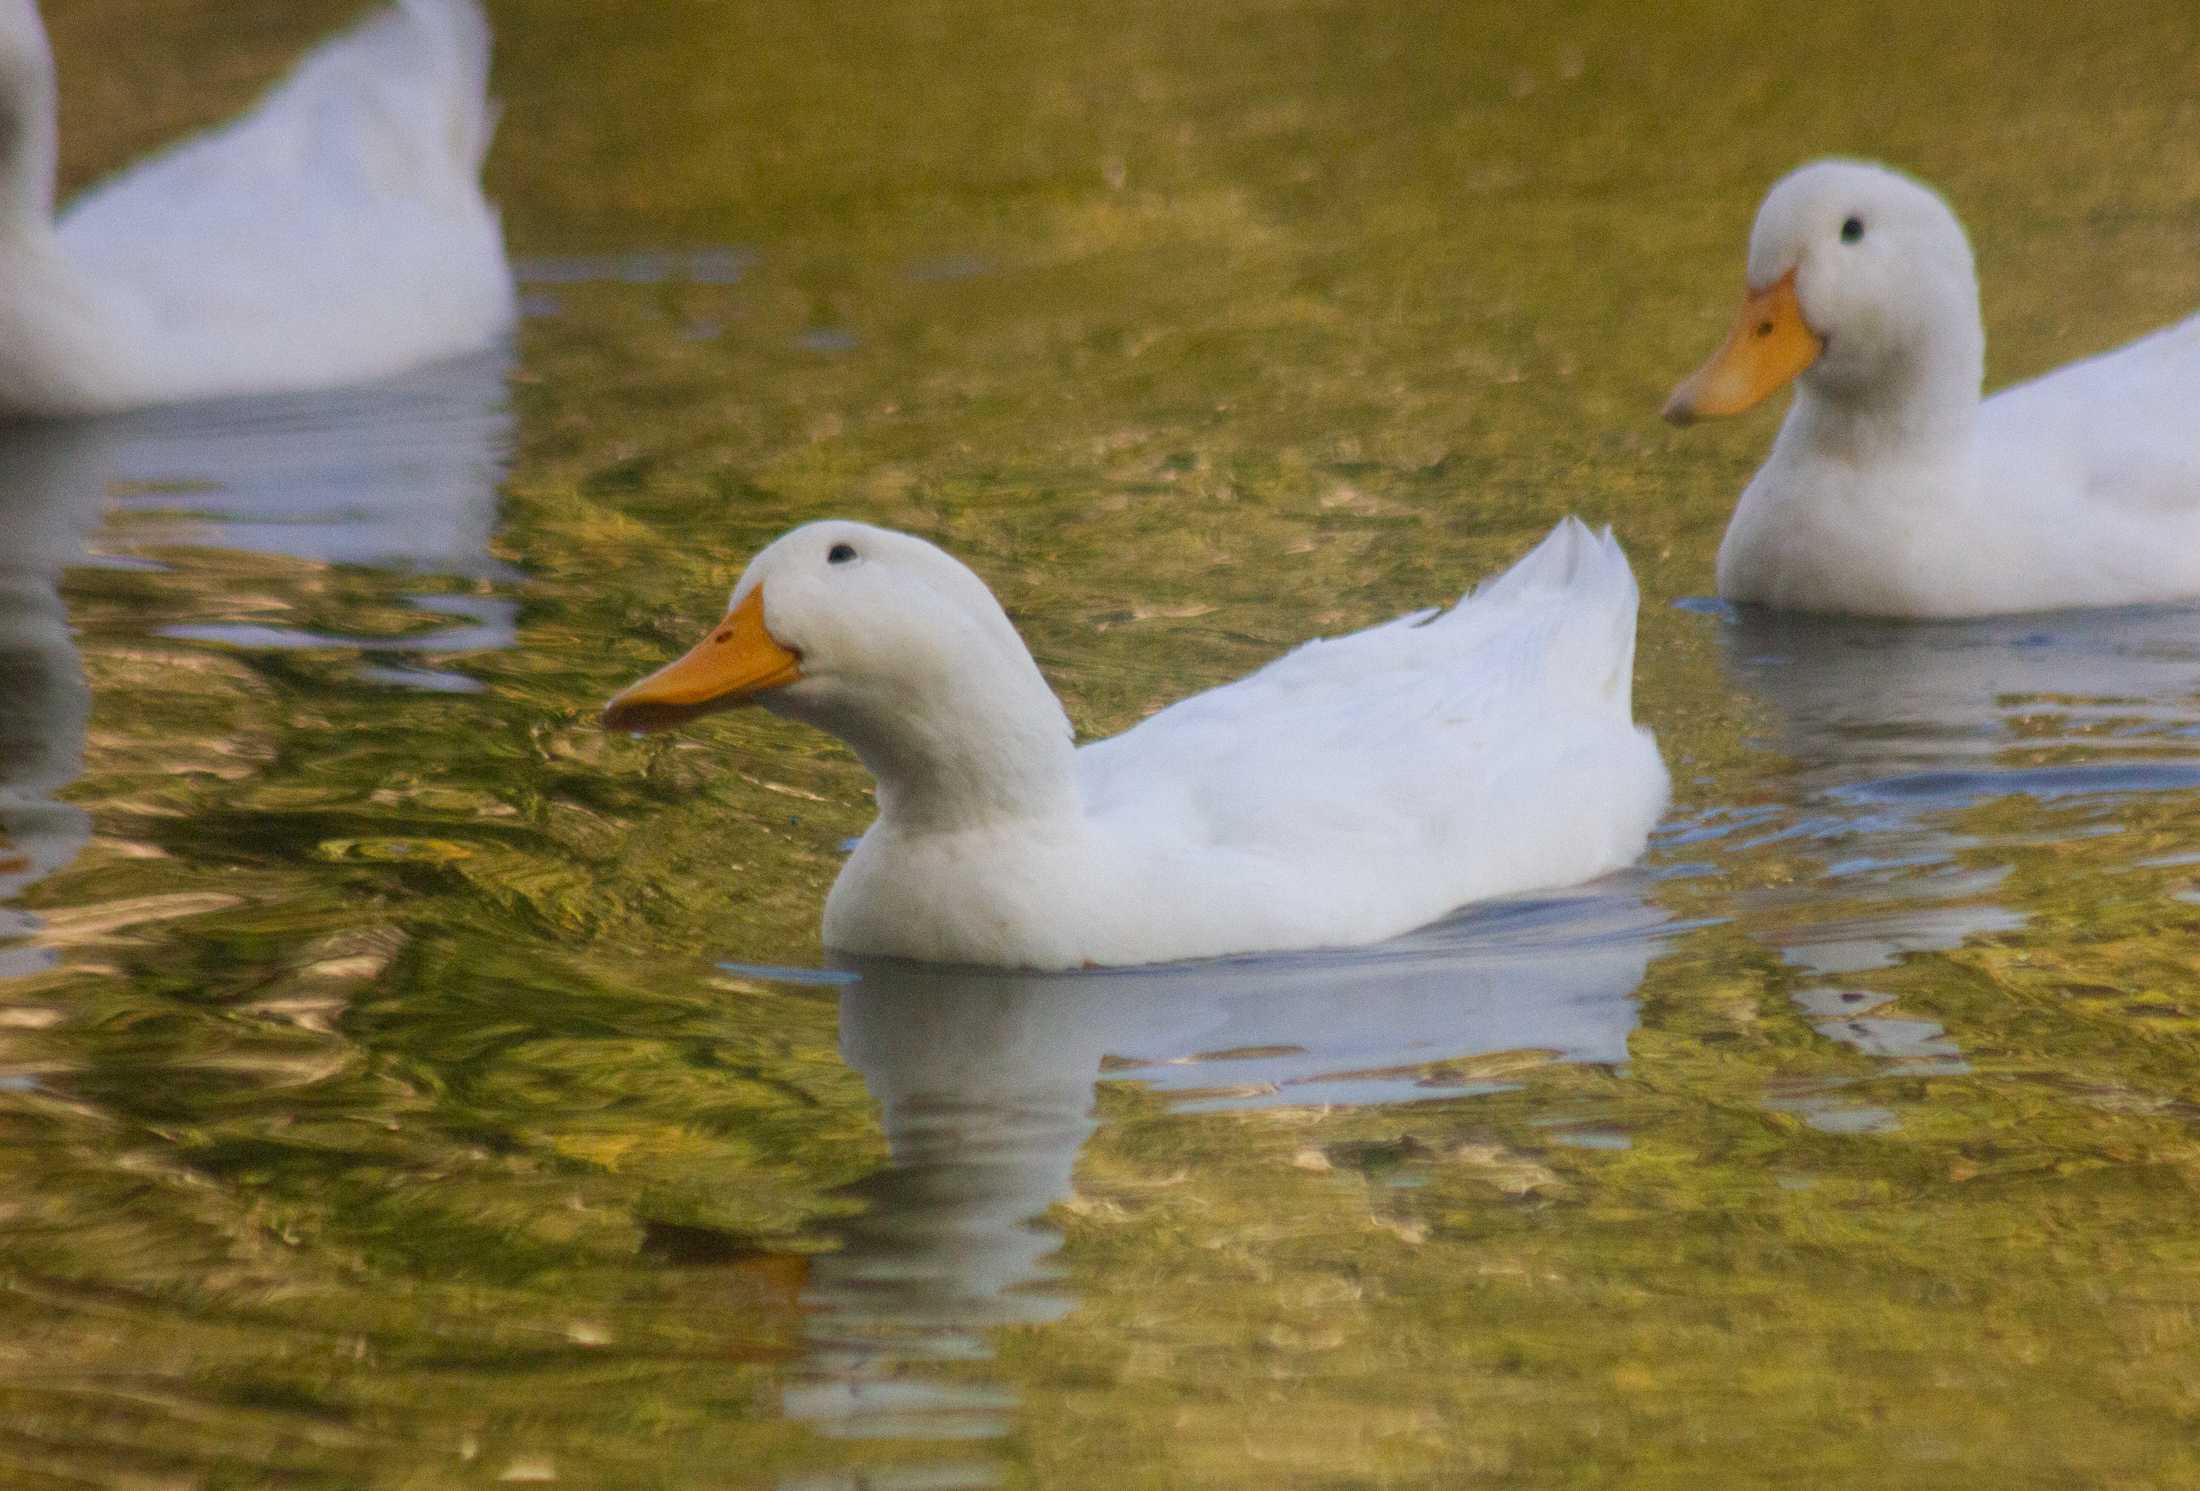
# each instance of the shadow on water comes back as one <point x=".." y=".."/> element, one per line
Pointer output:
<point x="1897" y="732"/>
<point x="985" y="1084"/>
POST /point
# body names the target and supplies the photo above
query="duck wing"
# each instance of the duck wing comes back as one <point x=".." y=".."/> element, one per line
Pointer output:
<point x="2123" y="428"/>
<point x="1436" y="759"/>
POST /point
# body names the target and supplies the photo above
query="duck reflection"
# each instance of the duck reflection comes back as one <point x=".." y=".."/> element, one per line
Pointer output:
<point x="399" y="475"/>
<point x="1894" y="727"/>
<point x="1927" y="708"/>
<point x="45" y="702"/>
<point x="985" y="1085"/>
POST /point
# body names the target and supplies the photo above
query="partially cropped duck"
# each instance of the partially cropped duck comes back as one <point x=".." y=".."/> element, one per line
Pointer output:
<point x="336" y="233"/>
<point x="1353" y="790"/>
<point x="1893" y="490"/>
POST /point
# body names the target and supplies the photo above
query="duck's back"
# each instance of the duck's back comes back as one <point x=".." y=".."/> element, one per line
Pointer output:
<point x="1365" y="785"/>
<point x="2096" y="467"/>
<point x="335" y="233"/>
<point x="2128" y="420"/>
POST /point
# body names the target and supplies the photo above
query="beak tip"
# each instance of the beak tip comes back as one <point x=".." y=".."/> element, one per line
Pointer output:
<point x="1678" y="411"/>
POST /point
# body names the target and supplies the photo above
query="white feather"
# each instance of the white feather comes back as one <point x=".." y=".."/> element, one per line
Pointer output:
<point x="1353" y="790"/>
<point x="1894" y="490"/>
<point x="334" y="234"/>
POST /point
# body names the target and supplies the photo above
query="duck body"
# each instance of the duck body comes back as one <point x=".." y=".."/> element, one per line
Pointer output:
<point x="336" y="233"/>
<point x="1892" y="488"/>
<point x="1353" y="790"/>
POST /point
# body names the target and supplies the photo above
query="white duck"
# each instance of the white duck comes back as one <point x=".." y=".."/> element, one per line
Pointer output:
<point x="1892" y="490"/>
<point x="1350" y="791"/>
<point x="334" y="234"/>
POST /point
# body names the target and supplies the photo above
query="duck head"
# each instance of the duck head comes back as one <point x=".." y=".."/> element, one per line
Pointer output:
<point x="892" y="645"/>
<point x="1860" y="283"/>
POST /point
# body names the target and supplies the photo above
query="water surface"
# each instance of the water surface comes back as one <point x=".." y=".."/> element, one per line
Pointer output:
<point x="403" y="1083"/>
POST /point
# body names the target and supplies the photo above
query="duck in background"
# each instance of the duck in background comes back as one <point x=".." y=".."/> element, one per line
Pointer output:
<point x="1353" y="790"/>
<point x="336" y="233"/>
<point x="1893" y="489"/>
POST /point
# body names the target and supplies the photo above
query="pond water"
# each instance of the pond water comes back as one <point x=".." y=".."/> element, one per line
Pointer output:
<point x="405" y="1084"/>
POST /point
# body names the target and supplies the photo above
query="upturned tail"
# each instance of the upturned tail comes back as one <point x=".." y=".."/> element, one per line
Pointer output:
<point x="1568" y="609"/>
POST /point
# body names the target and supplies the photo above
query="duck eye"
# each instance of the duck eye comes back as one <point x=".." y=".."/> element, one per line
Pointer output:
<point x="840" y="554"/>
<point x="1852" y="231"/>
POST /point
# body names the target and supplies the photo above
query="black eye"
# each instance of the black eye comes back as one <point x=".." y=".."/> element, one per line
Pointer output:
<point x="1852" y="231"/>
<point x="841" y="554"/>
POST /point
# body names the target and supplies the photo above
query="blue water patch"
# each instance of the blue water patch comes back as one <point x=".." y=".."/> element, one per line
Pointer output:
<point x="2048" y="783"/>
<point x="828" y="339"/>
<point x="773" y="973"/>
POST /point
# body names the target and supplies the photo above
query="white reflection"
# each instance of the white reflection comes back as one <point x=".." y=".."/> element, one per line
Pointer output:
<point x="1922" y="709"/>
<point x="45" y="702"/>
<point x="399" y="475"/>
<point x="985" y="1084"/>
<point x="1895" y="726"/>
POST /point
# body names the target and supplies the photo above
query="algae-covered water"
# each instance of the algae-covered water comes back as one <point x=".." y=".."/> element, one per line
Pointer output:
<point x="405" y="1084"/>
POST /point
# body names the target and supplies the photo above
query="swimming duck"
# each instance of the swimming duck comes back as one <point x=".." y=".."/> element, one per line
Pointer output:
<point x="1893" y="490"/>
<point x="336" y="233"/>
<point x="1352" y="790"/>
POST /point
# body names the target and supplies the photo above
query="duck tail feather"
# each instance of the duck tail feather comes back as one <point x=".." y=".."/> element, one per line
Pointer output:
<point x="457" y="34"/>
<point x="1577" y="593"/>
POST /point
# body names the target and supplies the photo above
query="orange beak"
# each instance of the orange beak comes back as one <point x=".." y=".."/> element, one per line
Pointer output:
<point x="1770" y="344"/>
<point x="737" y="661"/>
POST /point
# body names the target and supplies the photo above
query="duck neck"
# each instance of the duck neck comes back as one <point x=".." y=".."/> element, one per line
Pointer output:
<point x="963" y="755"/>
<point x="1917" y="402"/>
<point x="28" y="137"/>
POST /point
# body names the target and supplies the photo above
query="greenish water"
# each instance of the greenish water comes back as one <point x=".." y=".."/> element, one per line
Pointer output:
<point x="403" y="1084"/>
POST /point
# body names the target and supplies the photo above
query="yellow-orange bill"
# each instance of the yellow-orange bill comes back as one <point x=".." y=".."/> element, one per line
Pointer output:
<point x="737" y="661"/>
<point x="1770" y="344"/>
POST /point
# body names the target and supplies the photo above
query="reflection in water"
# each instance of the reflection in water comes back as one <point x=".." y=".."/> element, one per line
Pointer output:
<point x="400" y="475"/>
<point x="1929" y="706"/>
<point x="984" y="1081"/>
<point x="1896" y="727"/>
<point x="44" y="700"/>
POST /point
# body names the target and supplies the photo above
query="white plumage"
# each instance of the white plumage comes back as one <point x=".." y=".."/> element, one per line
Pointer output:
<point x="336" y="233"/>
<point x="1894" y="490"/>
<point x="1354" y="789"/>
